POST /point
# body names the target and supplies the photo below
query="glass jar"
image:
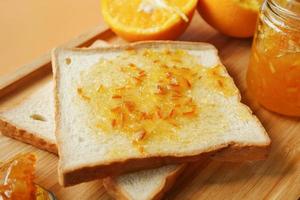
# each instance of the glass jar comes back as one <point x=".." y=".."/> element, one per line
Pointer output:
<point x="273" y="75"/>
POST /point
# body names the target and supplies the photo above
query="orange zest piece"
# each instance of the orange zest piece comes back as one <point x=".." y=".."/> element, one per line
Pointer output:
<point x="161" y="90"/>
<point x="129" y="105"/>
<point x="82" y="95"/>
<point x="172" y="113"/>
<point x="116" y="97"/>
<point x="113" y="123"/>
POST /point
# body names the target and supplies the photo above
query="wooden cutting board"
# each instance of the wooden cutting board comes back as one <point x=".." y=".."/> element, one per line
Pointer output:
<point x="278" y="177"/>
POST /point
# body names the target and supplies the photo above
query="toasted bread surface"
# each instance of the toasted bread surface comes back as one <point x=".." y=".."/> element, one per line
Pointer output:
<point x="209" y="134"/>
<point x="86" y="154"/>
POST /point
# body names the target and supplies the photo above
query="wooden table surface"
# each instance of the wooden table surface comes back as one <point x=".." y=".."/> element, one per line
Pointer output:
<point x="278" y="177"/>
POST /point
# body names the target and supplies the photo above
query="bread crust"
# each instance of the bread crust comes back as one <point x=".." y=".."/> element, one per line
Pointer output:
<point x="113" y="188"/>
<point x="168" y="182"/>
<point x="12" y="130"/>
<point x="83" y="173"/>
<point x="69" y="177"/>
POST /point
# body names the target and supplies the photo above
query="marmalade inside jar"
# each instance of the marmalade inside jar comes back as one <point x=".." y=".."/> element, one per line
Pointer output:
<point x="274" y="71"/>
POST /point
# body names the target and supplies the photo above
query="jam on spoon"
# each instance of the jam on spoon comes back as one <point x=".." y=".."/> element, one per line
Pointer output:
<point x="16" y="180"/>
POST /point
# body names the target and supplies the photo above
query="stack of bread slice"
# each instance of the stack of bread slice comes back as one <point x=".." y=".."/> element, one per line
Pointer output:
<point x="138" y="159"/>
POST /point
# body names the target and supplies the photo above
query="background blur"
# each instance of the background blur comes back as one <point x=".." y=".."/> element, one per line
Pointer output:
<point x="30" y="28"/>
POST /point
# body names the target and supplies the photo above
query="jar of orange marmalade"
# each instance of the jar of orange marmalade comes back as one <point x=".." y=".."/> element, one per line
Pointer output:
<point x="274" y="71"/>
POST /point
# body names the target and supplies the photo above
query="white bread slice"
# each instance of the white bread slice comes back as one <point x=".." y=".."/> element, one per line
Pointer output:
<point x="149" y="184"/>
<point x="32" y="121"/>
<point x="19" y="124"/>
<point x="23" y="122"/>
<point x="85" y="154"/>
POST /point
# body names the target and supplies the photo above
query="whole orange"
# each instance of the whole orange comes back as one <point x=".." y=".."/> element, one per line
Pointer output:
<point x="236" y="18"/>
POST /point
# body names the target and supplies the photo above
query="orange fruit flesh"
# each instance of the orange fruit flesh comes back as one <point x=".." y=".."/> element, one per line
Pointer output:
<point x="17" y="178"/>
<point x="236" y="18"/>
<point x="135" y="20"/>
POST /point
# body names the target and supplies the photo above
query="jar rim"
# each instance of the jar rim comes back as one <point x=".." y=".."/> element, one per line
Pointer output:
<point x="282" y="11"/>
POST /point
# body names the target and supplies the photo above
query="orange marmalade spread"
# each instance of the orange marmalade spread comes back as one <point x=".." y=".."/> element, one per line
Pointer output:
<point x="17" y="178"/>
<point x="147" y="93"/>
<point x="274" y="71"/>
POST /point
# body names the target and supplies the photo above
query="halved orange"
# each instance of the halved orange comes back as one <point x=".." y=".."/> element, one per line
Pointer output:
<point x="236" y="18"/>
<point x="136" y="20"/>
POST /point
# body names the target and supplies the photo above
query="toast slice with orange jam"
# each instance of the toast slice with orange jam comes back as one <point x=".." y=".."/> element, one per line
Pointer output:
<point x="144" y="105"/>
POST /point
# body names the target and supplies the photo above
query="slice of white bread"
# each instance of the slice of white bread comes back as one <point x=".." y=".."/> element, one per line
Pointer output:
<point x="87" y="153"/>
<point x="32" y="122"/>
<point x="149" y="184"/>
